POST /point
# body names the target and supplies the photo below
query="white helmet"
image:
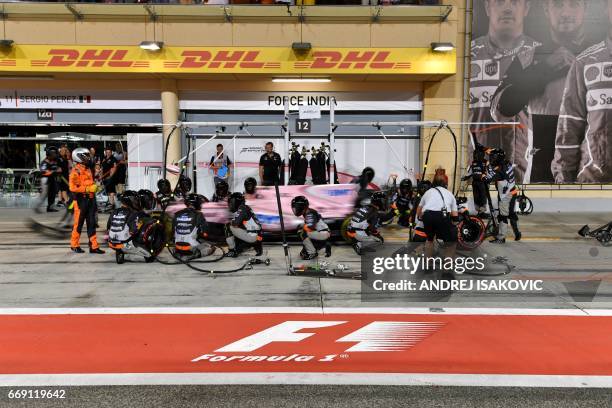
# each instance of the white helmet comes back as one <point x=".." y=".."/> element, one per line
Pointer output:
<point x="81" y="155"/>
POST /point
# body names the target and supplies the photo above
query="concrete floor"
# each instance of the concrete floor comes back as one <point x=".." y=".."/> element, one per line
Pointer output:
<point x="40" y="271"/>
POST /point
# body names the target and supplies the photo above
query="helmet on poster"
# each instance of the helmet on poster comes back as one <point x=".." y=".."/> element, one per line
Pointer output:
<point x="379" y="199"/>
<point x="405" y="186"/>
<point x="249" y="185"/>
<point x="497" y="156"/>
<point x="81" y="155"/>
<point x="298" y="205"/>
<point x="221" y="188"/>
<point x="131" y="199"/>
<point x="195" y="200"/>
<point x="234" y="201"/>
<point x="147" y="199"/>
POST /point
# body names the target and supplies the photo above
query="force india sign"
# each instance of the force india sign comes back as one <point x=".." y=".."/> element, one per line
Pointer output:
<point x="210" y="60"/>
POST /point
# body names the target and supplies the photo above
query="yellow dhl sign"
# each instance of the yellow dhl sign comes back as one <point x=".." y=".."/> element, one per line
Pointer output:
<point x="210" y="60"/>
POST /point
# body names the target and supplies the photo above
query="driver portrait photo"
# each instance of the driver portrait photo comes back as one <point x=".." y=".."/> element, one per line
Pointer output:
<point x="559" y="135"/>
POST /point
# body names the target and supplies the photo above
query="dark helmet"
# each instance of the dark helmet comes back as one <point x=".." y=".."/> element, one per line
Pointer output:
<point x="379" y="199"/>
<point x="131" y="199"/>
<point x="249" y="185"/>
<point x="164" y="187"/>
<point x="423" y="186"/>
<point x="195" y="200"/>
<point x="147" y="199"/>
<point x="478" y="155"/>
<point x="184" y="184"/>
<point x="298" y="205"/>
<point x="368" y="174"/>
<point x="234" y="201"/>
<point x="497" y="156"/>
<point x="221" y="188"/>
<point x="405" y="186"/>
<point x="51" y="152"/>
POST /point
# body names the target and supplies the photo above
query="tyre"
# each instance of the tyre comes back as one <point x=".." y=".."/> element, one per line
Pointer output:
<point x="470" y="233"/>
<point x="119" y="257"/>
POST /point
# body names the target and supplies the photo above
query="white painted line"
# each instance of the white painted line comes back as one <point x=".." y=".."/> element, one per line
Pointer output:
<point x="304" y="310"/>
<point x="491" y="380"/>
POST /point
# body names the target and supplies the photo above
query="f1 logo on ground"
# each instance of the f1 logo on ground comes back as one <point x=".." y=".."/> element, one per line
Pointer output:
<point x="376" y="336"/>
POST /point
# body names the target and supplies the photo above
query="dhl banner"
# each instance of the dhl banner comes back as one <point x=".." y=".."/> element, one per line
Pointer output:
<point x="210" y="60"/>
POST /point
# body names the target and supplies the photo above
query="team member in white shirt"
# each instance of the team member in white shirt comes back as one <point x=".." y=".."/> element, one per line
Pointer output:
<point x="437" y="209"/>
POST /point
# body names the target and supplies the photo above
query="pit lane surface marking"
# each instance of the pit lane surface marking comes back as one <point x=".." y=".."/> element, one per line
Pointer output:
<point x="518" y="347"/>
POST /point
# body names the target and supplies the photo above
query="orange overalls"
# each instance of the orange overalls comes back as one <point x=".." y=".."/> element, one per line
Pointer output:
<point x="81" y="182"/>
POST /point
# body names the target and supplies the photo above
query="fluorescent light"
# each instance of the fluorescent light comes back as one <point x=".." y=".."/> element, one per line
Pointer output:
<point x="442" y="46"/>
<point x="301" y="80"/>
<point x="152" y="45"/>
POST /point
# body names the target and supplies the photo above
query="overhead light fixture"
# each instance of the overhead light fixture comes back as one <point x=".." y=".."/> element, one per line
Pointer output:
<point x="152" y="45"/>
<point x="6" y="43"/>
<point x="442" y="46"/>
<point x="303" y="80"/>
<point x="301" y="46"/>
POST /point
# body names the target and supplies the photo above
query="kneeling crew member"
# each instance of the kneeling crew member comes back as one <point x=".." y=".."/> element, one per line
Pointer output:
<point x="438" y="210"/>
<point x="363" y="227"/>
<point x="124" y="223"/>
<point x="243" y="229"/>
<point x="84" y="188"/>
<point x="502" y="173"/>
<point x="402" y="203"/>
<point x="314" y="233"/>
<point x="190" y="229"/>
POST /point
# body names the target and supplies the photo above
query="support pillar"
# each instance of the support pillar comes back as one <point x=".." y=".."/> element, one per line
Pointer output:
<point x="170" y="115"/>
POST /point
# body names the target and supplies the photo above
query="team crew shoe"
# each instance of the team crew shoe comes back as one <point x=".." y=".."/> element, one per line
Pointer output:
<point x="77" y="250"/>
<point x="96" y="251"/>
<point x="498" y="241"/>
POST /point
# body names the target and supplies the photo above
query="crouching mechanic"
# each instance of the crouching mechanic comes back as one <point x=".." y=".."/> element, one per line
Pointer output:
<point x="363" y="228"/>
<point x="243" y="230"/>
<point x="438" y="209"/>
<point x="502" y="173"/>
<point x="190" y="229"/>
<point x="403" y="202"/>
<point x="124" y="224"/>
<point x="84" y="188"/>
<point x="314" y="233"/>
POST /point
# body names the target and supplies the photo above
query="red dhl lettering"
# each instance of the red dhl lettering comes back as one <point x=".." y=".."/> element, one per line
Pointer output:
<point x="88" y="58"/>
<point x="352" y="60"/>
<point x="221" y="59"/>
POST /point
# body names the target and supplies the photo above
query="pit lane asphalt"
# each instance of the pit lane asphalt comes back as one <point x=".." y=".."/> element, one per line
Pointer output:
<point x="40" y="271"/>
<point x="286" y="396"/>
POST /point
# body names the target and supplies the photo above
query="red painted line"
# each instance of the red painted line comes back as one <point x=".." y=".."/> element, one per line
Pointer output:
<point x="167" y="343"/>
